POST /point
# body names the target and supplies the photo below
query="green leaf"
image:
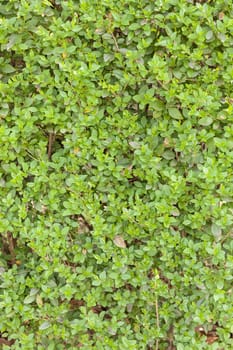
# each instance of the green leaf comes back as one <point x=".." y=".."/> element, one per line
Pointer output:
<point x="175" y="113"/>
<point x="216" y="231"/>
<point x="206" y="121"/>
<point x="209" y="35"/>
<point x="29" y="299"/>
<point x="44" y="325"/>
<point x="7" y="68"/>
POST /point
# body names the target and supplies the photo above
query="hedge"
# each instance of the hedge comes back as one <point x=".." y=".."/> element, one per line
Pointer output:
<point x="116" y="156"/>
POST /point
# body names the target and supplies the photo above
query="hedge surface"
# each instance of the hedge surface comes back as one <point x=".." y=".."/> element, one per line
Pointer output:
<point x="116" y="171"/>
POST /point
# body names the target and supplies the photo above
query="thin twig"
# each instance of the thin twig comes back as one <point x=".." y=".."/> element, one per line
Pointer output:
<point x="157" y="321"/>
<point x="11" y="246"/>
<point x="117" y="47"/>
<point x="31" y="155"/>
<point x="229" y="234"/>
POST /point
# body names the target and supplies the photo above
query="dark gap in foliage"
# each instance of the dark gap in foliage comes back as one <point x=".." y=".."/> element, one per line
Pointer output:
<point x="17" y="61"/>
<point x="4" y="339"/>
<point x="8" y="247"/>
<point x="55" y="5"/>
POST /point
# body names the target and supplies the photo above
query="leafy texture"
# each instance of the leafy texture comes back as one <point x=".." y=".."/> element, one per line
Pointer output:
<point x="116" y="174"/>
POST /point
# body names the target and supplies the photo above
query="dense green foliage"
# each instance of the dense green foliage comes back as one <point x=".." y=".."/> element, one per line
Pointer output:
<point x="116" y="169"/>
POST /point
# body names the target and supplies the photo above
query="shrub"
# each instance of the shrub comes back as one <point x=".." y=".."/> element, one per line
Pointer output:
<point x="116" y="174"/>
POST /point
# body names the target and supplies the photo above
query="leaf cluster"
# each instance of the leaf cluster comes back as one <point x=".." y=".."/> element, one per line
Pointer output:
<point x="116" y="174"/>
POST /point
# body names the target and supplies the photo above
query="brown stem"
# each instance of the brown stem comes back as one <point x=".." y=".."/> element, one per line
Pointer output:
<point x="157" y="321"/>
<point x="170" y="338"/>
<point x="4" y="341"/>
<point x="11" y="246"/>
<point x="52" y="137"/>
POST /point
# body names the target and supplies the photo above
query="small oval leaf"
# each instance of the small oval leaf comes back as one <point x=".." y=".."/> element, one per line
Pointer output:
<point x="175" y="113"/>
<point x="209" y="35"/>
<point x="206" y="121"/>
<point x="44" y="325"/>
<point x="216" y="231"/>
<point x="39" y="300"/>
<point x="29" y="299"/>
<point x="134" y="144"/>
<point x="119" y="241"/>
